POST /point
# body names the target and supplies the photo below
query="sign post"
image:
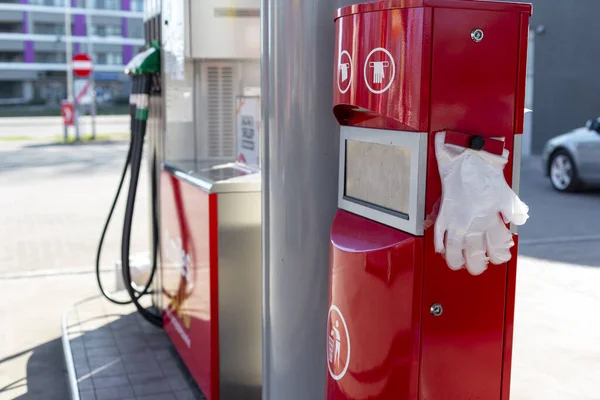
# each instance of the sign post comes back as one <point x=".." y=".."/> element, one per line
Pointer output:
<point x="66" y="109"/>
<point x="82" y="66"/>
<point x="69" y="56"/>
<point x="90" y="51"/>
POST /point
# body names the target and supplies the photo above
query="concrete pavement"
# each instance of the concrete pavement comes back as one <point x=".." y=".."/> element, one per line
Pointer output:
<point x="53" y="201"/>
<point x="31" y="354"/>
<point x="50" y="127"/>
<point x="556" y="353"/>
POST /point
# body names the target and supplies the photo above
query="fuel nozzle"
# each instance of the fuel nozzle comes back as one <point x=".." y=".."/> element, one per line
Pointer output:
<point x="150" y="60"/>
<point x="140" y="69"/>
<point x="145" y="62"/>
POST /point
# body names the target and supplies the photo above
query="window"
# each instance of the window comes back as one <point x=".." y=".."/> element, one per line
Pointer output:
<point x="106" y="4"/>
<point x="56" y="3"/>
<point x="114" y="58"/>
<point x="50" y="57"/>
<point x="11" y="27"/>
<point x="100" y="58"/>
<point x="48" y="28"/>
<point x="11" y="90"/>
<point x="137" y="5"/>
<point x="11" y="56"/>
<point x="105" y="30"/>
<point x="108" y="58"/>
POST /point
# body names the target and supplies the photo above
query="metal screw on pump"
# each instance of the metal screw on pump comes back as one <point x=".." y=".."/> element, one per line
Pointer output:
<point x="477" y="35"/>
<point x="436" y="310"/>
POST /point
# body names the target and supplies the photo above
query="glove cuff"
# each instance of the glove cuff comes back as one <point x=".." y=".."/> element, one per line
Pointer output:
<point x="475" y="142"/>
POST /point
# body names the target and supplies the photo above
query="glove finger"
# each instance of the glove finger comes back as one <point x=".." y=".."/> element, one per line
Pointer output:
<point x="513" y="209"/>
<point x="439" y="232"/>
<point x="454" y="250"/>
<point x="476" y="259"/>
<point x="499" y="240"/>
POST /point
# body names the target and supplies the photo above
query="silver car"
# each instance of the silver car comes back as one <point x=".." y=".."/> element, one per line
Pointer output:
<point x="572" y="160"/>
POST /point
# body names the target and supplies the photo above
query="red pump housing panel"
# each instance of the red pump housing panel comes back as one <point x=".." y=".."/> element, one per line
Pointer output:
<point x="423" y="66"/>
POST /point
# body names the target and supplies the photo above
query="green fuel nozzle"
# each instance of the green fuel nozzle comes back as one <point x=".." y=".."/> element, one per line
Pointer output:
<point x="146" y="62"/>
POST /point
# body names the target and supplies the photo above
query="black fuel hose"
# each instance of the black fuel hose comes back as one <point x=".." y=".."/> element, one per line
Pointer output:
<point x="135" y="164"/>
<point x="136" y="89"/>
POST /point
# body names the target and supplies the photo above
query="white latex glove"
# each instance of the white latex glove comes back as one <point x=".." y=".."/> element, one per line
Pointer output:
<point x="474" y="193"/>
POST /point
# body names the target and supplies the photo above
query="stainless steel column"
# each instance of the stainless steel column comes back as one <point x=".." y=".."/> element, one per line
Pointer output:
<point x="300" y="148"/>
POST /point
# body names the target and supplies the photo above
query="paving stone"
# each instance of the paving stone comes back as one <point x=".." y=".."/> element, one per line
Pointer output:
<point x="144" y="377"/>
<point x="159" y="385"/>
<point x="110" y="381"/>
<point x="102" y="361"/>
<point x="161" y="396"/>
<point x="112" y="351"/>
<point x="85" y="384"/>
<point x="187" y="395"/>
<point x="87" y="395"/>
<point x="119" y="393"/>
<point x="138" y="367"/>
<point x="113" y="369"/>
<point x="178" y="382"/>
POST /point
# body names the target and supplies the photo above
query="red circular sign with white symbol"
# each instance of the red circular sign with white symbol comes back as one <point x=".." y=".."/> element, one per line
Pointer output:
<point x="82" y="65"/>
<point x="345" y="72"/>
<point x="379" y="70"/>
<point x="338" y="344"/>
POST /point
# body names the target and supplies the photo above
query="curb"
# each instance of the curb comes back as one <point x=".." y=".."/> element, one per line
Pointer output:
<point x="73" y="386"/>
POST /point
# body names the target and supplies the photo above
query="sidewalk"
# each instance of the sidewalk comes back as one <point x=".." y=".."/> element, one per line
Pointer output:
<point x="112" y="353"/>
<point x="50" y="127"/>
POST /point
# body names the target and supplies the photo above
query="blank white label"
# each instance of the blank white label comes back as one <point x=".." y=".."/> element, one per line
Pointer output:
<point x="378" y="174"/>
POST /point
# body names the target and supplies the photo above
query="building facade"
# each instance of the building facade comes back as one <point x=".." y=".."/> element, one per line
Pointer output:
<point x="33" y="60"/>
<point x="564" y="79"/>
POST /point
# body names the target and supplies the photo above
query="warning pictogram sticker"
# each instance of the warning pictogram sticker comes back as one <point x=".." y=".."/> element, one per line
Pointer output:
<point x="379" y="70"/>
<point x="345" y="72"/>
<point x="338" y="344"/>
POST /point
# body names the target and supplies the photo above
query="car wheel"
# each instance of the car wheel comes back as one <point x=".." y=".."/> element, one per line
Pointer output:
<point x="563" y="173"/>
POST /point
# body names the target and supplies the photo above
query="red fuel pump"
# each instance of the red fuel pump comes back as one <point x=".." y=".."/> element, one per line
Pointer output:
<point x="421" y="293"/>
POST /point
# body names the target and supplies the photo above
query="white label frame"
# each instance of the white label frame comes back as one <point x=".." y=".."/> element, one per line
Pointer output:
<point x="417" y="143"/>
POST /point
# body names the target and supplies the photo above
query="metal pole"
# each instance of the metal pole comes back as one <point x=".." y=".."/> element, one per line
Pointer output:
<point x="301" y="140"/>
<point x="90" y="50"/>
<point x="69" y="59"/>
<point x="69" y="55"/>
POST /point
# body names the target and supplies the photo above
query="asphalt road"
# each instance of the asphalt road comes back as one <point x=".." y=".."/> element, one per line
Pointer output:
<point x="54" y="198"/>
<point x="562" y="226"/>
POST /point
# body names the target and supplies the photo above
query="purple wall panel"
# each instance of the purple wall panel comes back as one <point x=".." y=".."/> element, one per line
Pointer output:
<point x="79" y="25"/>
<point x="127" y="49"/>
<point x="127" y="53"/>
<point x="28" y="49"/>
<point x="28" y="52"/>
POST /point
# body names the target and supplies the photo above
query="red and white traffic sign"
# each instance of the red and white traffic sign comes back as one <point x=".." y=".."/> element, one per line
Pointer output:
<point x="82" y="65"/>
<point x="68" y="113"/>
